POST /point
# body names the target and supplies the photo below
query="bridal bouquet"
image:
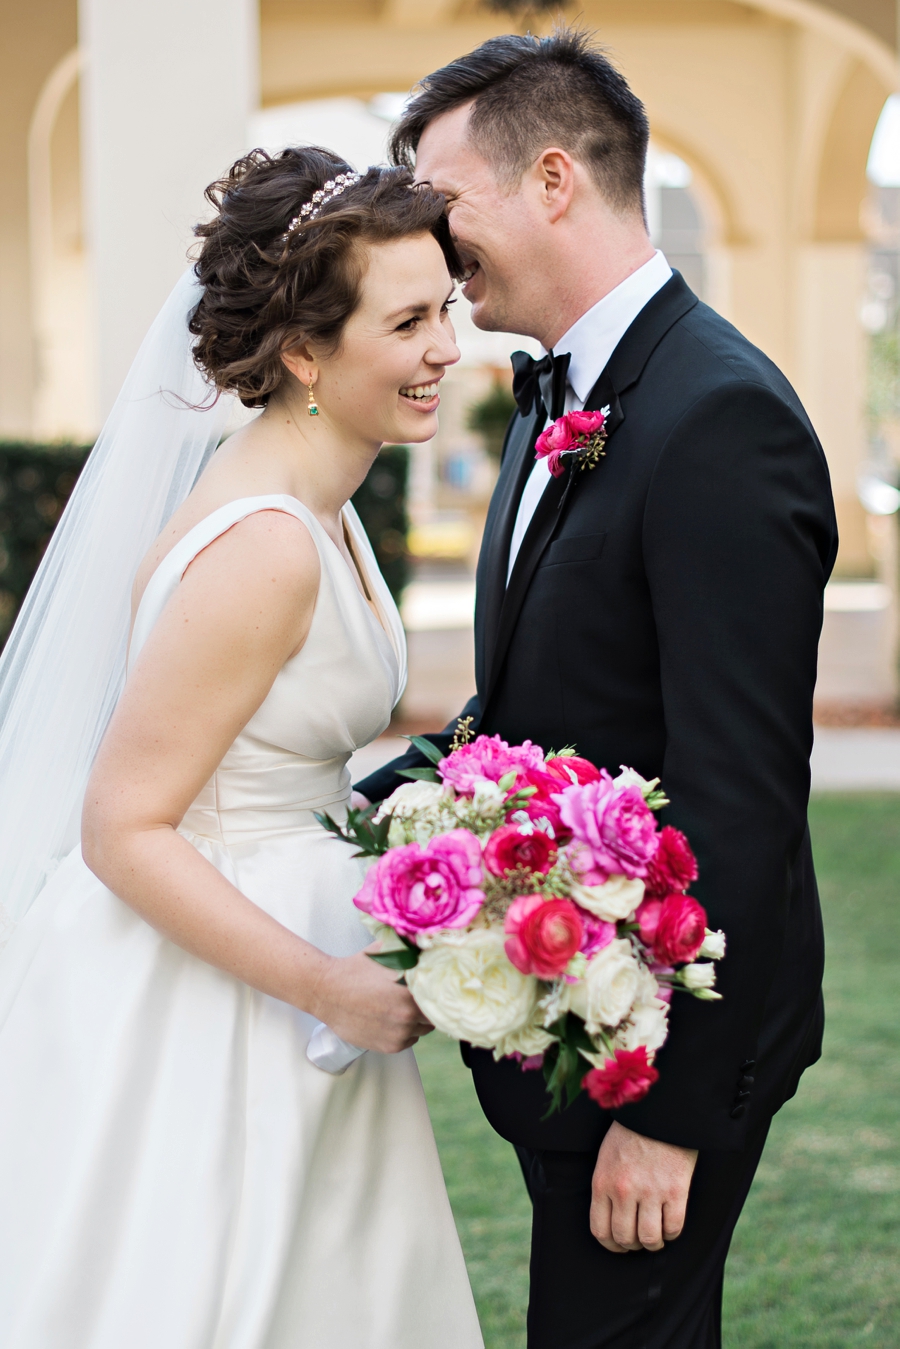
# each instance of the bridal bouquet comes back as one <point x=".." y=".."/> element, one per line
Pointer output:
<point x="536" y="910"/>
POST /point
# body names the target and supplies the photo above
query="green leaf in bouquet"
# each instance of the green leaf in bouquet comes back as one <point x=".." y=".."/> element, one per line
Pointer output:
<point x="656" y="799"/>
<point x="564" y="1066"/>
<point x="431" y="752"/>
<point x="396" y="960"/>
<point x="419" y="774"/>
<point x="370" y="837"/>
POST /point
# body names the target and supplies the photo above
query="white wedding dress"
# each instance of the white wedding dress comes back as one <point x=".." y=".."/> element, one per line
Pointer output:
<point x="174" y="1172"/>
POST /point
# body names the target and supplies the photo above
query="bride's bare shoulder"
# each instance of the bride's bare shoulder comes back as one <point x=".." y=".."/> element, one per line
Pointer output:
<point x="266" y="544"/>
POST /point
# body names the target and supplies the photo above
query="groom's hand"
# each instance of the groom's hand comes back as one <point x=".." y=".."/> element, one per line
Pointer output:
<point x="639" y="1192"/>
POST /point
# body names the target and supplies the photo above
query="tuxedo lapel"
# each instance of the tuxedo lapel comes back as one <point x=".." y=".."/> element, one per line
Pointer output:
<point x="493" y="560"/>
<point x="623" y="370"/>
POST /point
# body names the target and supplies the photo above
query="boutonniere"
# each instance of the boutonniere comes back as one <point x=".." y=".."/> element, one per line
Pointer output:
<point x="576" y="436"/>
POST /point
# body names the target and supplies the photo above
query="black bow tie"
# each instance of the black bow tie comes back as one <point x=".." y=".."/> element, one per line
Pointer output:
<point x="541" y="381"/>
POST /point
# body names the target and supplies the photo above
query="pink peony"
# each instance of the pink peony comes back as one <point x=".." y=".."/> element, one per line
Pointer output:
<point x="571" y="769"/>
<point x="553" y="443"/>
<point x="508" y="848"/>
<point x="621" y="1080"/>
<point x="424" y="890"/>
<point x="678" y="927"/>
<point x="597" y="933"/>
<point x="615" y="826"/>
<point x="544" y="934"/>
<point x="674" y="866"/>
<point x="486" y="758"/>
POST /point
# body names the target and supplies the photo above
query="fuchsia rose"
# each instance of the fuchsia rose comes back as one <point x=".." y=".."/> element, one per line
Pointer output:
<point x="674" y="866"/>
<point x="673" y="928"/>
<point x="626" y="1078"/>
<point x="508" y="848"/>
<point x="597" y="933"/>
<point x="570" y="769"/>
<point x="569" y="432"/>
<point x="486" y="758"/>
<point x="422" y="890"/>
<point x="543" y="804"/>
<point x="544" y="934"/>
<point x="616" y="827"/>
<point x="552" y="444"/>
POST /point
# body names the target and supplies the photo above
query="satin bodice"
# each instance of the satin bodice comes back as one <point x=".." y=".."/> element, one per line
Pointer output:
<point x="335" y="695"/>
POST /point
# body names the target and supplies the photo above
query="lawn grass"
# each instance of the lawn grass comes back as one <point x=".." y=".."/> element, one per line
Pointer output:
<point x="814" y="1263"/>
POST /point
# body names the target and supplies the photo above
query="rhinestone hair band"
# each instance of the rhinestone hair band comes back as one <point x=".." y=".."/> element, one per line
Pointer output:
<point x="327" y="192"/>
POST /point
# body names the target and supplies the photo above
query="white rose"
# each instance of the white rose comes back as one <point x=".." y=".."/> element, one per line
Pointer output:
<point x="698" y="976"/>
<point x="612" y="983"/>
<point x="488" y="798"/>
<point x="713" y="945"/>
<point x="411" y="797"/>
<point x="615" y="900"/>
<point x="557" y="1001"/>
<point x="467" y="988"/>
<point x="529" y="1040"/>
<point x="648" y="1025"/>
<point x="629" y="778"/>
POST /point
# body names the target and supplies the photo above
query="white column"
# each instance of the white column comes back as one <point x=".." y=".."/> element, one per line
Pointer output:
<point x="167" y="92"/>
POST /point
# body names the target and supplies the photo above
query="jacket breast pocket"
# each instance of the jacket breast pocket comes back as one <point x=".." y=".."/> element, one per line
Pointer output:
<point x="580" y="548"/>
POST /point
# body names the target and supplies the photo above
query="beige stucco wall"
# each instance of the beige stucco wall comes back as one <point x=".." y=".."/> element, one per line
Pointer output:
<point x="772" y="103"/>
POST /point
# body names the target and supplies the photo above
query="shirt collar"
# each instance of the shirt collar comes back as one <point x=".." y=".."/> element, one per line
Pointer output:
<point x="593" y="338"/>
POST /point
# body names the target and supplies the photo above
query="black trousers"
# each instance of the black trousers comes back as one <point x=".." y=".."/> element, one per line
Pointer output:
<point x="585" y="1297"/>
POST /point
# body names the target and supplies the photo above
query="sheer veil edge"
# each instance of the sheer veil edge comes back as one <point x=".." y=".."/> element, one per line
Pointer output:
<point x="63" y="668"/>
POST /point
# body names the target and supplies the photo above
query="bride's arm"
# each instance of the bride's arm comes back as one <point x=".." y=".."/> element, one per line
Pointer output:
<point x="243" y="608"/>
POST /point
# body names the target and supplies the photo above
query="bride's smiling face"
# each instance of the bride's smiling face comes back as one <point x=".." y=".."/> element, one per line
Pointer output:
<point x="383" y="382"/>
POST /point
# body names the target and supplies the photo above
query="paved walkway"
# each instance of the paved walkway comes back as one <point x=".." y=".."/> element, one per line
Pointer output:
<point x="860" y="760"/>
<point x="843" y="760"/>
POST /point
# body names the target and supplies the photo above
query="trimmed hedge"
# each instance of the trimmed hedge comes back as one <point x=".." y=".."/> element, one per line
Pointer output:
<point x="35" y="482"/>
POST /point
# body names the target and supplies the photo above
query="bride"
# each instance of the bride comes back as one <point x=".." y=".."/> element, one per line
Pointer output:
<point x="175" y="1172"/>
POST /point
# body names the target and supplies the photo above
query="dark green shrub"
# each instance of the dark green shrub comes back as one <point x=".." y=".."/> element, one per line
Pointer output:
<point x="490" y="417"/>
<point x="381" y="502"/>
<point x="35" y="482"/>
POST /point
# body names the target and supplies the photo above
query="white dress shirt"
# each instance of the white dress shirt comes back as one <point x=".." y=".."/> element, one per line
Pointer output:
<point x="590" y="341"/>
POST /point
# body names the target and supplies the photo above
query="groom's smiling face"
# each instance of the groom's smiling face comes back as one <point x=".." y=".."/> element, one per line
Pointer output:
<point x="497" y="226"/>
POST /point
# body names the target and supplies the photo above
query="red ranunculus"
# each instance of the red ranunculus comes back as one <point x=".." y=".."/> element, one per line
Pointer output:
<point x="680" y="930"/>
<point x="621" y="1080"/>
<point x="571" y="768"/>
<point x="543" y="935"/>
<point x="584" y="422"/>
<point x="508" y="848"/>
<point x="553" y="443"/>
<point x="674" y="866"/>
<point x="647" y="918"/>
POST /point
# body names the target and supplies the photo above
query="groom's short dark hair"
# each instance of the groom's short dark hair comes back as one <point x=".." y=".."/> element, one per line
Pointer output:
<point x="530" y="93"/>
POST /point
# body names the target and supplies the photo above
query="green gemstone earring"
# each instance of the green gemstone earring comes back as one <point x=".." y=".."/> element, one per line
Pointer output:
<point x="312" y="406"/>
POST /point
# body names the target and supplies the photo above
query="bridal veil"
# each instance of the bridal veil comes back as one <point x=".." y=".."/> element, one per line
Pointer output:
<point x="63" y="667"/>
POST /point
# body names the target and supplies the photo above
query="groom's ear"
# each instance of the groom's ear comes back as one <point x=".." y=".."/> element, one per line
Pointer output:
<point x="554" y="174"/>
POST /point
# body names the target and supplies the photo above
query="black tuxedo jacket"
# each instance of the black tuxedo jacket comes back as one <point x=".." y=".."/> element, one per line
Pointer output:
<point x="664" y="613"/>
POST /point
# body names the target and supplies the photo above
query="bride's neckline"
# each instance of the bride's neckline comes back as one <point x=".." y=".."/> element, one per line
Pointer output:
<point x="357" y="572"/>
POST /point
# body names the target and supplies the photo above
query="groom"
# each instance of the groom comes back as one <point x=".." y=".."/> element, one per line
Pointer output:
<point x="661" y="610"/>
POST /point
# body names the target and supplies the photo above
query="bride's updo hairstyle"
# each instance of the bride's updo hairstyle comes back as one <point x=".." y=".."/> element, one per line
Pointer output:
<point x="267" y="290"/>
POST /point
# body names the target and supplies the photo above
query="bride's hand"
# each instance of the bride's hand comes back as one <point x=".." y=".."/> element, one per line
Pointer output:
<point x="364" y="1004"/>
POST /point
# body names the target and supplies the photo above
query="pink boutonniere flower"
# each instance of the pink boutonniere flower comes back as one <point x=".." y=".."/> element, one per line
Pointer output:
<point x="579" y="434"/>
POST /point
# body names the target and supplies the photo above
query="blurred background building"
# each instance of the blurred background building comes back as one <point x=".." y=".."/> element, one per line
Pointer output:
<point x="773" y="185"/>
